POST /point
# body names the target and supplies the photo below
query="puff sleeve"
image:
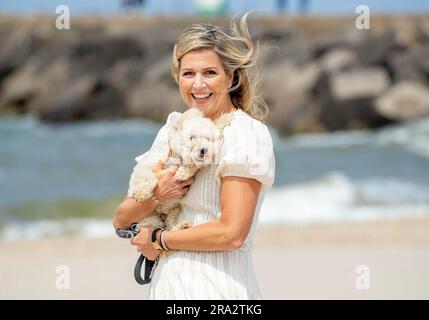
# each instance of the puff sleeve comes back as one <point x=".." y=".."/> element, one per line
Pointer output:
<point x="247" y="151"/>
<point x="160" y="144"/>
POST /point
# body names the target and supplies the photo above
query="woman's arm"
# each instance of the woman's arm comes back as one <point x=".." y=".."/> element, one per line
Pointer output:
<point x="131" y="211"/>
<point x="238" y="202"/>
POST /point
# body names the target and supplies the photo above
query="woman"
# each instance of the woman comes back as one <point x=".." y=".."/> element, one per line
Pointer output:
<point x="211" y="260"/>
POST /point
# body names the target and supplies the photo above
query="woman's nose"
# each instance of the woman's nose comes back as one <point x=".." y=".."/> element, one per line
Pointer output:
<point x="199" y="81"/>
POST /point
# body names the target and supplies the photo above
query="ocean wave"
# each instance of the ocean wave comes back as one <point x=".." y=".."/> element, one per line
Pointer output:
<point x="336" y="197"/>
<point x="82" y="227"/>
<point x="328" y="140"/>
<point x="412" y="136"/>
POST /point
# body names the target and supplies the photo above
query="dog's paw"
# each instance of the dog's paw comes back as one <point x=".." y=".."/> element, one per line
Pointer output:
<point x="141" y="185"/>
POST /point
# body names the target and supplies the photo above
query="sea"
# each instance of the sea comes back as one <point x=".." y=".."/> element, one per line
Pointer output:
<point x="60" y="179"/>
<point x="67" y="178"/>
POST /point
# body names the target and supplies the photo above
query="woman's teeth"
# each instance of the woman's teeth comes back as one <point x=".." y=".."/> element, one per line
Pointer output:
<point x="201" y="96"/>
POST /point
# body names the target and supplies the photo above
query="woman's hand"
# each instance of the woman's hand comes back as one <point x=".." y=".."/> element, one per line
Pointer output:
<point x="169" y="187"/>
<point x="143" y="243"/>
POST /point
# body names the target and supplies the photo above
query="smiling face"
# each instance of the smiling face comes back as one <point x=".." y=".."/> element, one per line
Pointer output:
<point x="204" y="84"/>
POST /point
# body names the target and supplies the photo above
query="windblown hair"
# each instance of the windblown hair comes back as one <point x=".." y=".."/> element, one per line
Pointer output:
<point x="238" y="54"/>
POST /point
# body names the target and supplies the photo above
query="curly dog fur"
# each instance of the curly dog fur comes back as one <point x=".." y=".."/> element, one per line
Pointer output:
<point x="193" y="142"/>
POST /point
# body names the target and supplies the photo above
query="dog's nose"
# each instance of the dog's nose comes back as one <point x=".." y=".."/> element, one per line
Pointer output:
<point x="203" y="151"/>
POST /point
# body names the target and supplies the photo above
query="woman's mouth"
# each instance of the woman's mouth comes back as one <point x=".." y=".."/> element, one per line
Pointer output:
<point x="201" y="97"/>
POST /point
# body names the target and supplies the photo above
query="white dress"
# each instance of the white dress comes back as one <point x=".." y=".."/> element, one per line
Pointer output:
<point x="247" y="151"/>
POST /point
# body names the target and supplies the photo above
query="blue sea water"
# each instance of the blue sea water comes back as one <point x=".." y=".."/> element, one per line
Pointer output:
<point x="176" y="7"/>
<point x="347" y="175"/>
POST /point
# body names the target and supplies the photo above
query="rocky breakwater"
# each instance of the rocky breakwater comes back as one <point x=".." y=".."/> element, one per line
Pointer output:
<point x="318" y="74"/>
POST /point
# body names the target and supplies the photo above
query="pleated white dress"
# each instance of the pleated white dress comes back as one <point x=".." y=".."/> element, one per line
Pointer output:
<point x="247" y="151"/>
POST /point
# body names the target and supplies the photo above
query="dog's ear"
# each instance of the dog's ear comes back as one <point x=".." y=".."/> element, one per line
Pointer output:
<point x="223" y="121"/>
<point x="172" y="137"/>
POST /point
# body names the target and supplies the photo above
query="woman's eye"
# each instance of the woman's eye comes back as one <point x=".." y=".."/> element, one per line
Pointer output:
<point x="211" y="72"/>
<point x="187" y="73"/>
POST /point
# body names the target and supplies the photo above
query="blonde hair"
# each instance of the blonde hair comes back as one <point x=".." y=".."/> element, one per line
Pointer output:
<point x="237" y="54"/>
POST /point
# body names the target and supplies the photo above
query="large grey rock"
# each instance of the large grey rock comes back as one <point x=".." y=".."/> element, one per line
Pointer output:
<point x="295" y="50"/>
<point x="127" y="73"/>
<point x="404" y="66"/>
<point x="337" y="60"/>
<point x="317" y="74"/>
<point x="352" y="111"/>
<point x="421" y="57"/>
<point x="422" y="25"/>
<point x="34" y="79"/>
<point x="88" y="98"/>
<point x="156" y="94"/>
<point x="376" y="47"/>
<point x="406" y="31"/>
<point x="15" y="49"/>
<point x="287" y="89"/>
<point x="286" y="79"/>
<point x="359" y="83"/>
<point x="412" y="64"/>
<point x="405" y="100"/>
<point x="61" y="65"/>
<point x="97" y="54"/>
<point x="346" y="39"/>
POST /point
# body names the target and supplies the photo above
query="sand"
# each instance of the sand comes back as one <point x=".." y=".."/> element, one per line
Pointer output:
<point x="310" y="261"/>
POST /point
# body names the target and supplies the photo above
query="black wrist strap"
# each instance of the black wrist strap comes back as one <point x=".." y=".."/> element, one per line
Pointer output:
<point x="148" y="267"/>
<point x="154" y="232"/>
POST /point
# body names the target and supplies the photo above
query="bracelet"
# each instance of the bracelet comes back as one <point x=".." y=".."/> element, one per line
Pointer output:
<point x="154" y="242"/>
<point x="163" y="244"/>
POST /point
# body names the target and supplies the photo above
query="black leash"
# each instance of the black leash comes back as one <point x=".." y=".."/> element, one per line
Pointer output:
<point x="149" y="265"/>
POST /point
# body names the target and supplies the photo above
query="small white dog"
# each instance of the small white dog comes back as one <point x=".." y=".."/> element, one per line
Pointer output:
<point x="194" y="142"/>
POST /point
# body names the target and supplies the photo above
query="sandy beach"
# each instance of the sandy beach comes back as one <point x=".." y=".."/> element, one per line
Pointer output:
<point x="310" y="261"/>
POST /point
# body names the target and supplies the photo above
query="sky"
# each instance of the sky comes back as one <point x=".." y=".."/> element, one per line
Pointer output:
<point x="175" y="7"/>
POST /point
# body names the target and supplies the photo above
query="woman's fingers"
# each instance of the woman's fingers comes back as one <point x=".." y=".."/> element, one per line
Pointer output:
<point x="186" y="183"/>
<point x="169" y="187"/>
<point x="143" y="244"/>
